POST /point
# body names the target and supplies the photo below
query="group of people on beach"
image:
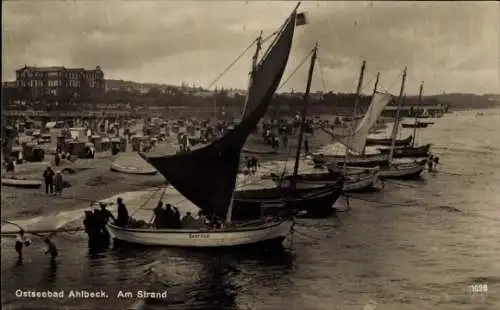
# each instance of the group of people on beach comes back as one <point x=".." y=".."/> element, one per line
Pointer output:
<point x="53" y="181"/>
<point x="432" y="162"/>
<point x="95" y="223"/>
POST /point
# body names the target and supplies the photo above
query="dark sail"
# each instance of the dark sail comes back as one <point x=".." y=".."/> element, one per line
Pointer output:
<point x="207" y="176"/>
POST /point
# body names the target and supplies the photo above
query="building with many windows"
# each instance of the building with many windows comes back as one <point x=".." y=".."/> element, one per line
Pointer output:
<point x="59" y="83"/>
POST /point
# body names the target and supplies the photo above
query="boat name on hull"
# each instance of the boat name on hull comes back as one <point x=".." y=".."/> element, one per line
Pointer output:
<point x="199" y="236"/>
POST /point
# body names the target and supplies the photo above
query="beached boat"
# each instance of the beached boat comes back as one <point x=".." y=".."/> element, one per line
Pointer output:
<point x="368" y="160"/>
<point x="403" y="170"/>
<point x="416" y="124"/>
<point x="23" y="183"/>
<point x="259" y="151"/>
<point x="133" y="170"/>
<point x="388" y="141"/>
<point x="409" y="151"/>
<point x="207" y="175"/>
<point x="357" y="179"/>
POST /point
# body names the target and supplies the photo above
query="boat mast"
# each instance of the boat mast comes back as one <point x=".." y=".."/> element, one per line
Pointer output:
<point x="351" y="129"/>
<point x="303" y="117"/>
<point x="373" y="94"/>
<point x="416" y="118"/>
<point x="255" y="59"/>
<point x="396" y="121"/>
<point x="254" y="65"/>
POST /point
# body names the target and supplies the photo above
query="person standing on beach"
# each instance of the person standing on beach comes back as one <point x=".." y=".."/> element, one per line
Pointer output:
<point x="51" y="249"/>
<point x="58" y="183"/>
<point x="57" y="159"/>
<point x="306" y="146"/>
<point x="105" y="216"/>
<point x="11" y="167"/>
<point x="21" y="241"/>
<point x="48" y="176"/>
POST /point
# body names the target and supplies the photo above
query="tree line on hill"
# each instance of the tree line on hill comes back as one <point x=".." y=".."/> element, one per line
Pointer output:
<point x="173" y="96"/>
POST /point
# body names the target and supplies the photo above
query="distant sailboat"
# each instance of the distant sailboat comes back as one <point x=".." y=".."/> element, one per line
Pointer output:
<point x="401" y="170"/>
<point x="355" y="179"/>
<point x="411" y="150"/>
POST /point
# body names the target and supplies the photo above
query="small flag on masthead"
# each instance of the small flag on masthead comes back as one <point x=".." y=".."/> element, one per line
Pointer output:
<point x="300" y="19"/>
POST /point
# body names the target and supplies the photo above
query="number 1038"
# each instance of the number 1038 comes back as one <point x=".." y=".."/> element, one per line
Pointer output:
<point x="478" y="288"/>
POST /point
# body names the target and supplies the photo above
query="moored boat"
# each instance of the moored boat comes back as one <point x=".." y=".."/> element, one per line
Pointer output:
<point x="22" y="183"/>
<point x="387" y="141"/>
<point x="403" y="170"/>
<point x="259" y="151"/>
<point x="410" y="151"/>
<point x="133" y="170"/>
<point x="368" y="160"/>
<point x="415" y="125"/>
<point x="259" y="233"/>
<point x="207" y="175"/>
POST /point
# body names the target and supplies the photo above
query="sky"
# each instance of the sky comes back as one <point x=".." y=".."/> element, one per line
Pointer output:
<point x="452" y="47"/>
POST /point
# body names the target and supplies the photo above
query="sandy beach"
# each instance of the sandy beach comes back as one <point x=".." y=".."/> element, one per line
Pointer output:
<point x="93" y="180"/>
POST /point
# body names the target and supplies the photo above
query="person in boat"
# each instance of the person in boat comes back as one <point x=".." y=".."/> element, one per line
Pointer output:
<point x="168" y="216"/>
<point x="189" y="222"/>
<point x="215" y="222"/>
<point x="48" y="177"/>
<point x="159" y="215"/>
<point x="254" y="163"/>
<point x="51" y="249"/>
<point x="122" y="218"/>
<point x="21" y="242"/>
<point x="58" y="183"/>
<point x="249" y="164"/>
<point x="176" y="218"/>
<point x="202" y="218"/>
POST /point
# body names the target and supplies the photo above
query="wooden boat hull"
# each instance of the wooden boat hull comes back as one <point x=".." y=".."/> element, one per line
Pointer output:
<point x="369" y="161"/>
<point x="388" y="141"/>
<point x="403" y="170"/>
<point x="353" y="182"/>
<point x="132" y="170"/>
<point x="363" y="183"/>
<point x="316" y="200"/>
<point x="271" y="233"/>
<point x="418" y="125"/>
<point x="420" y="151"/>
<point x="21" y="183"/>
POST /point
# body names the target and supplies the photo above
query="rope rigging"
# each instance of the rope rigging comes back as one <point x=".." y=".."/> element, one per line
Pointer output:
<point x="295" y="71"/>
<point x="239" y="57"/>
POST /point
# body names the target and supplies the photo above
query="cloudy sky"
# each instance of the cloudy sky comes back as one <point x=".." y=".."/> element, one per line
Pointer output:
<point x="453" y="47"/>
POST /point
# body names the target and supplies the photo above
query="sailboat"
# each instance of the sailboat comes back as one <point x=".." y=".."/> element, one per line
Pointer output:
<point x="316" y="199"/>
<point x="401" y="170"/>
<point x="207" y="176"/>
<point x="355" y="179"/>
<point x="411" y="150"/>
